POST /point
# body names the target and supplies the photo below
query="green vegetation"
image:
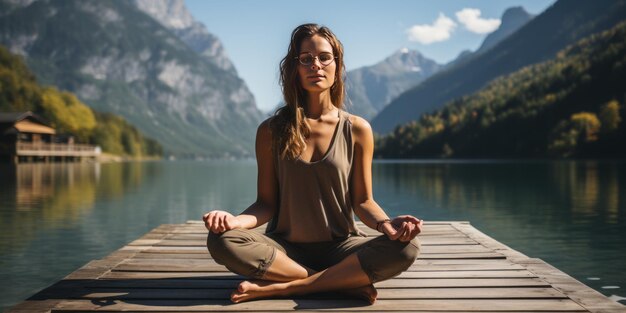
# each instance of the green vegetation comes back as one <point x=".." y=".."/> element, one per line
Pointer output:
<point x="67" y="113"/>
<point x="122" y="61"/>
<point x="20" y="92"/>
<point x="562" y="24"/>
<point x="116" y="136"/>
<point x="565" y="107"/>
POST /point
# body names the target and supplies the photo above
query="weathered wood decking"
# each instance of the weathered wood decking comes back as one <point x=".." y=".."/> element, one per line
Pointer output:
<point x="460" y="269"/>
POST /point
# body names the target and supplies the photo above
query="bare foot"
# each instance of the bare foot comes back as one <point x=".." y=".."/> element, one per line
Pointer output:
<point x="259" y="289"/>
<point x="367" y="293"/>
<point x="255" y="289"/>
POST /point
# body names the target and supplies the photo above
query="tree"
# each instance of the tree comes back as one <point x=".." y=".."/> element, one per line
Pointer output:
<point x="568" y="135"/>
<point x="609" y="115"/>
<point x="587" y="124"/>
<point x="67" y="113"/>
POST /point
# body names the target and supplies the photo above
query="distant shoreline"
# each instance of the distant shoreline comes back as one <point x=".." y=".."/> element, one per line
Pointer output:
<point x="113" y="158"/>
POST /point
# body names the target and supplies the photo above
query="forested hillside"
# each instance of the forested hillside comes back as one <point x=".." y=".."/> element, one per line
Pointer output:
<point x="562" y="24"/>
<point x="20" y="92"/>
<point x="571" y="106"/>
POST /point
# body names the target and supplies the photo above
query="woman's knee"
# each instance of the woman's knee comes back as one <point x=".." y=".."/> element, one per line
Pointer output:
<point x="408" y="254"/>
<point x="401" y="255"/>
<point x="240" y="252"/>
<point x="388" y="258"/>
<point x="223" y="246"/>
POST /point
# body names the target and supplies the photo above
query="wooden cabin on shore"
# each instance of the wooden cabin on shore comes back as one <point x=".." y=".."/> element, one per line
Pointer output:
<point x="26" y="137"/>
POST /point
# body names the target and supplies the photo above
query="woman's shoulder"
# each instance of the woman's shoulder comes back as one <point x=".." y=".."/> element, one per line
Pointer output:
<point x="360" y="126"/>
<point x="266" y="123"/>
<point x="264" y="130"/>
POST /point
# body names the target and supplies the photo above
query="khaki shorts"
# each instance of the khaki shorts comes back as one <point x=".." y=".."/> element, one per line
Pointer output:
<point x="250" y="253"/>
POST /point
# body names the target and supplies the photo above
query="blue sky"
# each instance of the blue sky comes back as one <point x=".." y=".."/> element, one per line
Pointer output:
<point x="256" y="33"/>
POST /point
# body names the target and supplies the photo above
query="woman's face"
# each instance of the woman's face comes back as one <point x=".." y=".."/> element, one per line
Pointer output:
<point x="316" y="77"/>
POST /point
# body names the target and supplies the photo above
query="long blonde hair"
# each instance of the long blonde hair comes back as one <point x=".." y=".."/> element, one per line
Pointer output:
<point x="288" y="125"/>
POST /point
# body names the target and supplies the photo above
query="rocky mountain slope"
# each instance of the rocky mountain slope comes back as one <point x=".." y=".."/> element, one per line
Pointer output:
<point x="512" y="20"/>
<point x="371" y="88"/>
<point x="162" y="71"/>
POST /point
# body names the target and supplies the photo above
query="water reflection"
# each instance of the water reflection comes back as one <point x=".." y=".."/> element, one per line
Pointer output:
<point x="50" y="184"/>
<point x="567" y="213"/>
<point x="67" y="213"/>
<point x="593" y="189"/>
<point x="36" y="196"/>
<point x="583" y="189"/>
<point x="39" y="196"/>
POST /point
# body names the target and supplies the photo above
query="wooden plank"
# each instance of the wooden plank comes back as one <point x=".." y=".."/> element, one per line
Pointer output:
<point x="459" y="269"/>
<point x="483" y="261"/>
<point x="32" y="306"/>
<point x="200" y="225"/>
<point x="214" y="267"/>
<point x="582" y="294"/>
<point x="437" y="256"/>
<point x="590" y="299"/>
<point x="465" y="305"/>
<point x="181" y="241"/>
<point x="155" y="273"/>
<point x="156" y="254"/>
<point x="209" y="265"/>
<point x="414" y="271"/>
<point x="370" y="233"/>
<point x="421" y="260"/>
<point x="383" y="294"/>
<point x="467" y="274"/>
<point x="202" y="237"/>
<point x="146" y="242"/>
<point x="202" y="229"/>
<point x="427" y="223"/>
<point x="425" y="250"/>
<point x="231" y="280"/>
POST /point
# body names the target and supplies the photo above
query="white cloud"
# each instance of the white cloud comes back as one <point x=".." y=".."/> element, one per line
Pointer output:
<point x="471" y="19"/>
<point x="439" y="31"/>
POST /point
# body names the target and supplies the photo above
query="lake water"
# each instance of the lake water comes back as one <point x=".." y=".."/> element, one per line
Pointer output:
<point x="57" y="217"/>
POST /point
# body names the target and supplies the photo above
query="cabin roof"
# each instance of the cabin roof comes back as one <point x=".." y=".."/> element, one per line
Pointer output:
<point x="25" y="122"/>
<point x="9" y="117"/>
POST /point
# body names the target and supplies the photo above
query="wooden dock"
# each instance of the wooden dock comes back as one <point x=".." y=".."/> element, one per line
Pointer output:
<point x="459" y="269"/>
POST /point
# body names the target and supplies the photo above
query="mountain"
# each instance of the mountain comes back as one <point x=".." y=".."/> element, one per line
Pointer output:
<point x="568" y="106"/>
<point x="119" y="59"/>
<point x="562" y="24"/>
<point x="371" y="88"/>
<point x="20" y="92"/>
<point x="464" y="55"/>
<point x="512" y="20"/>
<point x="173" y="15"/>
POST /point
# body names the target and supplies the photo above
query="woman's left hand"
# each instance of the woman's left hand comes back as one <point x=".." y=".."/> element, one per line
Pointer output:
<point x="403" y="228"/>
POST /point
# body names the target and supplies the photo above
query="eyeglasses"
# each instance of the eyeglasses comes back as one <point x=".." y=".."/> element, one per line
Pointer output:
<point x="307" y="59"/>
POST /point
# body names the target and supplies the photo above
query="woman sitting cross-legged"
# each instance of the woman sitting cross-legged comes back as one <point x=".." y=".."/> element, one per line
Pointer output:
<point x="314" y="172"/>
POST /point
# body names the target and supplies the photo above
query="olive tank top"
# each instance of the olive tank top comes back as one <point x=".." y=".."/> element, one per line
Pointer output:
<point x="314" y="197"/>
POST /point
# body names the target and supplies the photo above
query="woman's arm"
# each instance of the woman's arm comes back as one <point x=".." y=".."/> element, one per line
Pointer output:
<point x="262" y="210"/>
<point x="404" y="227"/>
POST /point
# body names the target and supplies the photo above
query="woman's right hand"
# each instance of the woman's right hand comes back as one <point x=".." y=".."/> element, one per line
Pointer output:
<point x="403" y="228"/>
<point x="220" y="221"/>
